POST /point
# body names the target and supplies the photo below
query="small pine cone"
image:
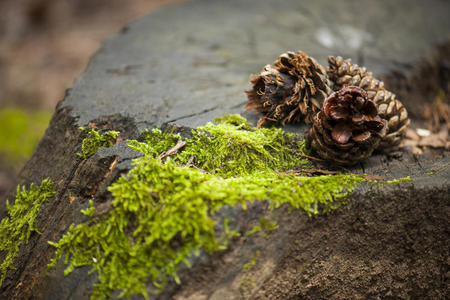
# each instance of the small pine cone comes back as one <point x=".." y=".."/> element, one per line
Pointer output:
<point x="344" y="73"/>
<point x="348" y="128"/>
<point x="294" y="87"/>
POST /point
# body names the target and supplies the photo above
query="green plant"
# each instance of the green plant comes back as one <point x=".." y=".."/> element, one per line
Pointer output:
<point x="95" y="139"/>
<point x="378" y="183"/>
<point x="155" y="142"/>
<point x="21" y="221"/>
<point x="164" y="211"/>
<point x="265" y="225"/>
<point x="251" y="263"/>
<point x="247" y="282"/>
<point x="233" y="148"/>
<point x="20" y="132"/>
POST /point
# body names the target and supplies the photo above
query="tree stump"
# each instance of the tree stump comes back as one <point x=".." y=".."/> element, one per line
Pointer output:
<point x="185" y="65"/>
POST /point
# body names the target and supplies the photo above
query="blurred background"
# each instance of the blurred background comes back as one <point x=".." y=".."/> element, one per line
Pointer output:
<point x="44" y="46"/>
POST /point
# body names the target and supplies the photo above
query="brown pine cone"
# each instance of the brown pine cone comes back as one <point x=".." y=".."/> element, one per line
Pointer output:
<point x="344" y="73"/>
<point x="291" y="89"/>
<point x="348" y="128"/>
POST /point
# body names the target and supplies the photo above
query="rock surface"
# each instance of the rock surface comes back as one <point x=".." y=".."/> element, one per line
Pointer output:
<point x="185" y="65"/>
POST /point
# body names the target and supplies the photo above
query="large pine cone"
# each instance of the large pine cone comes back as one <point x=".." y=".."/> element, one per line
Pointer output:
<point x="348" y="128"/>
<point x="291" y="89"/>
<point x="344" y="73"/>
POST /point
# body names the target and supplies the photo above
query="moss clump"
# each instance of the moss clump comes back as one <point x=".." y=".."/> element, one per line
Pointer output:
<point x="234" y="148"/>
<point x="21" y="221"/>
<point x="20" y="132"/>
<point x="164" y="212"/>
<point x="230" y="148"/>
<point x="94" y="140"/>
<point x="155" y="142"/>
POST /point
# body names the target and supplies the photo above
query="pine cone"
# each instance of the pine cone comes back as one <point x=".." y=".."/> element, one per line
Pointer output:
<point x="344" y="73"/>
<point x="291" y="89"/>
<point x="348" y="128"/>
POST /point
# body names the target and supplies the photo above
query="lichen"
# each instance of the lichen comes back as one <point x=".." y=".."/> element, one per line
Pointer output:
<point x="94" y="140"/>
<point x="164" y="210"/>
<point x="21" y="221"/>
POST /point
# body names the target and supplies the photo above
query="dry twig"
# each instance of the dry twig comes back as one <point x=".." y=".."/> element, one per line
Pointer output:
<point x="174" y="150"/>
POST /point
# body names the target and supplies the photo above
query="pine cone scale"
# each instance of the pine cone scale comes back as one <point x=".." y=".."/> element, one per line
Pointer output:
<point x="362" y="137"/>
<point x="341" y="133"/>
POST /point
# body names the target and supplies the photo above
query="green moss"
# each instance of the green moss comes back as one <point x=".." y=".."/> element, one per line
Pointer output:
<point x="234" y="148"/>
<point x="251" y="263"/>
<point x="247" y="283"/>
<point x="246" y="286"/>
<point x="264" y="225"/>
<point x="21" y="221"/>
<point x="164" y="211"/>
<point x="399" y="180"/>
<point x="394" y="181"/>
<point x="20" y="132"/>
<point x="236" y="120"/>
<point x="94" y="140"/>
<point x="155" y="142"/>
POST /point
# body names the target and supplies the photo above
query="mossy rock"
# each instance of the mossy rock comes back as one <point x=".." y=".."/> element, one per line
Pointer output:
<point x="183" y="66"/>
